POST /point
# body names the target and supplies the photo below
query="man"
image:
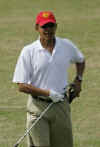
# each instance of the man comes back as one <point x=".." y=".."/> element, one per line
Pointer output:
<point x="41" y="72"/>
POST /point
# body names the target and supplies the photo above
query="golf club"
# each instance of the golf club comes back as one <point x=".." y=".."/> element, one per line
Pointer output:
<point x="28" y="130"/>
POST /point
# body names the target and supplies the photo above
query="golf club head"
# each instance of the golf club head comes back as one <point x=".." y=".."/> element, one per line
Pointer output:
<point x="16" y="145"/>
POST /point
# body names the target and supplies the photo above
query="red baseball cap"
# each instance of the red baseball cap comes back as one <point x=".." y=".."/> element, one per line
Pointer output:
<point x="45" y="17"/>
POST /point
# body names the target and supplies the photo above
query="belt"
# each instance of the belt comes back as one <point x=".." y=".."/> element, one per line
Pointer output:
<point x="43" y="99"/>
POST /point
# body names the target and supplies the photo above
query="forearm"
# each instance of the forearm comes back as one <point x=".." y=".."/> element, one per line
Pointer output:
<point x="80" y="67"/>
<point x="34" y="91"/>
<point x="78" y="78"/>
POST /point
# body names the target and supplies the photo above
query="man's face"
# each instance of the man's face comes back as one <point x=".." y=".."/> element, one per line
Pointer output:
<point x="47" y="31"/>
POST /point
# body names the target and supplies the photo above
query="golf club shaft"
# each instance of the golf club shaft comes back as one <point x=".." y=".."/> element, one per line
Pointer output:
<point x="28" y="130"/>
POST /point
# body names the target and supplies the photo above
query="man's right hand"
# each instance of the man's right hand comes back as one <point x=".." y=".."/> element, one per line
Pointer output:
<point x="55" y="96"/>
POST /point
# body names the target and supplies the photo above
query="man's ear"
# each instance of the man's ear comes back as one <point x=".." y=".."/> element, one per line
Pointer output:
<point x="36" y="27"/>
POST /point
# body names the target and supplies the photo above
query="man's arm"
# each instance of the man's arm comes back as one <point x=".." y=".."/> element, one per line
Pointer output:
<point x="79" y="76"/>
<point x="80" y="69"/>
<point x="30" y="89"/>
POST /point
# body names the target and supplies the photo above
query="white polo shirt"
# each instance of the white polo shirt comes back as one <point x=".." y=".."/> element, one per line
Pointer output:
<point x="37" y="66"/>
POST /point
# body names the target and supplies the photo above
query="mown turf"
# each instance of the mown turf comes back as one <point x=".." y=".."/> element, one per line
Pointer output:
<point x="77" y="20"/>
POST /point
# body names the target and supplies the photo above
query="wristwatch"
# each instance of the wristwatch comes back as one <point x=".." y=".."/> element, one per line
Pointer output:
<point x="79" y="78"/>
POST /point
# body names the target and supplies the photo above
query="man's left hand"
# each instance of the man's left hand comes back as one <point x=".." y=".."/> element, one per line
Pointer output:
<point x="77" y="88"/>
<point x="74" y="90"/>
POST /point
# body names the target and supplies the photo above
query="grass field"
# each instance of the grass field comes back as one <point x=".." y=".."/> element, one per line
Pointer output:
<point x="78" y="20"/>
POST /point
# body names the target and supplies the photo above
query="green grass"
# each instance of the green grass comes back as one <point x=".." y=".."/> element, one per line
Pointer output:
<point x="77" y="20"/>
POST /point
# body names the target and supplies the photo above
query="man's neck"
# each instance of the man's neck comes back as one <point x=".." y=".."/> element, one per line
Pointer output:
<point x="48" y="44"/>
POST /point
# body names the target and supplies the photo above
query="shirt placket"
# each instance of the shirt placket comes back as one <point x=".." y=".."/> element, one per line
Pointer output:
<point x="49" y="68"/>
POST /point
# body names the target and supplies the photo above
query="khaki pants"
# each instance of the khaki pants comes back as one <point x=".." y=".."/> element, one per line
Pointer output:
<point x="54" y="129"/>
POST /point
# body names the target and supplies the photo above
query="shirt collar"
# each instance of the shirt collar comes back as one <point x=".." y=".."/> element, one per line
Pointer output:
<point x="40" y="47"/>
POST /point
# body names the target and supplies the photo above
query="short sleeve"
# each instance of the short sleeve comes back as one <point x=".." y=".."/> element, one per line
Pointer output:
<point x="23" y="68"/>
<point x="76" y="55"/>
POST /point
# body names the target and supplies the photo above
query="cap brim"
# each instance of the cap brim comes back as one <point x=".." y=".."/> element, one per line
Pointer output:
<point x="47" y="21"/>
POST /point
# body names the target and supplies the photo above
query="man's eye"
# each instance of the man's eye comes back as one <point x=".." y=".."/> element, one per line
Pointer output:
<point x="50" y="25"/>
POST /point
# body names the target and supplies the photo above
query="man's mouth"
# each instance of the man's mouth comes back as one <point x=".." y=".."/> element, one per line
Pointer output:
<point x="48" y="34"/>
